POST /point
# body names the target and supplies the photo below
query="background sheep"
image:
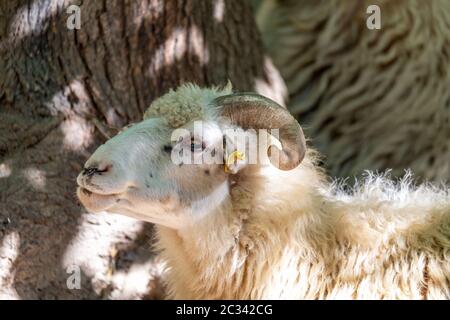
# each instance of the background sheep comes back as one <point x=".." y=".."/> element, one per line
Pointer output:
<point x="370" y="99"/>
<point x="260" y="232"/>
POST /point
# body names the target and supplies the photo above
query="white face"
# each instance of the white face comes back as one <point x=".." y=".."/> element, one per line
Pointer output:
<point x="134" y="174"/>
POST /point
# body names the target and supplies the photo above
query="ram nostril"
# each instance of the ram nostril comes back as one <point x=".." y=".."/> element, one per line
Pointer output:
<point x="90" y="171"/>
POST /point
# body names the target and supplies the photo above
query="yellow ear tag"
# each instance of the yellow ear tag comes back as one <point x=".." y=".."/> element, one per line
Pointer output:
<point x="232" y="158"/>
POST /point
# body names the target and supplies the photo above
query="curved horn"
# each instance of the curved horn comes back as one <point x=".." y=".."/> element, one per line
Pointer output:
<point x="251" y="110"/>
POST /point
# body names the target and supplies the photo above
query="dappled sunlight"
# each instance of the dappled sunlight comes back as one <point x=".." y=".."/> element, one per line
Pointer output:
<point x="219" y="10"/>
<point x="134" y="283"/>
<point x="144" y="10"/>
<point x="5" y="170"/>
<point x="198" y="45"/>
<point x="77" y="134"/>
<point x="272" y="86"/>
<point x="97" y="238"/>
<point x="35" y="177"/>
<point x="73" y="96"/>
<point x="178" y="46"/>
<point x="9" y="251"/>
<point x="23" y="25"/>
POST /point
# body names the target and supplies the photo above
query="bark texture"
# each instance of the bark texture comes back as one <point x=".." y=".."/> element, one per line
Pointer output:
<point x="62" y="90"/>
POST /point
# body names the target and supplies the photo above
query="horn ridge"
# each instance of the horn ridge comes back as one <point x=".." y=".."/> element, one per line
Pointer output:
<point x="251" y="110"/>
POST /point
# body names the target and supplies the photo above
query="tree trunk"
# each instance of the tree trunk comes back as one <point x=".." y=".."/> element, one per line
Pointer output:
<point x="60" y="91"/>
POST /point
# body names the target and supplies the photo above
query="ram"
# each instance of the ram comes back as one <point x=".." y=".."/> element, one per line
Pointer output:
<point x="273" y="229"/>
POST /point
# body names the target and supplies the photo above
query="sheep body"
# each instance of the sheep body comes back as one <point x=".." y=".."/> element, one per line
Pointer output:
<point x="382" y="241"/>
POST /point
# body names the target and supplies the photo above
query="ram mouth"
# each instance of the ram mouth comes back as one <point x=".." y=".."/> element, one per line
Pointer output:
<point x="95" y="202"/>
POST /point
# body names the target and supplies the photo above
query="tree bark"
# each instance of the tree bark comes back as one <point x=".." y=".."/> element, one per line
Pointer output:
<point x="60" y="92"/>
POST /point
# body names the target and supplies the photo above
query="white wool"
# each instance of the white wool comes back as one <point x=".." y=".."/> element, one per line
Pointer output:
<point x="304" y="238"/>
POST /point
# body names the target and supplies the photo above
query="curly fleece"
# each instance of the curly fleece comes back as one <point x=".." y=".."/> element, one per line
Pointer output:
<point x="188" y="103"/>
<point x="370" y="99"/>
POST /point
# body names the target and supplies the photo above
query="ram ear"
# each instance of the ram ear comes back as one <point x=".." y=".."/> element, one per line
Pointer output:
<point x="227" y="88"/>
